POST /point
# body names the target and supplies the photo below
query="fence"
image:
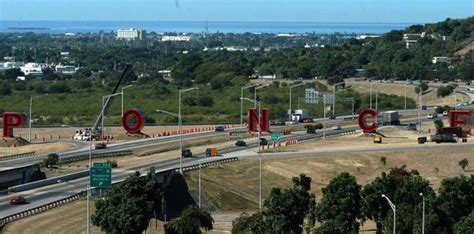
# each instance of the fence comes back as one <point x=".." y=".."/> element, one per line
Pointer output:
<point x="15" y="156"/>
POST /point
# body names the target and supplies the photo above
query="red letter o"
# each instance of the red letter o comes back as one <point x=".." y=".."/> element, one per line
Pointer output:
<point x="133" y="127"/>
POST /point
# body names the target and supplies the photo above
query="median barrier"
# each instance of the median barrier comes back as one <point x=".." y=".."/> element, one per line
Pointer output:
<point x="16" y="156"/>
<point x="50" y="181"/>
<point x="82" y="157"/>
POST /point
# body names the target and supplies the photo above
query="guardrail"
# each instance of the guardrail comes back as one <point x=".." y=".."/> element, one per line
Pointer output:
<point x="39" y="209"/>
<point x="82" y="157"/>
<point x="15" y="156"/>
<point x="210" y="163"/>
<point x="330" y="134"/>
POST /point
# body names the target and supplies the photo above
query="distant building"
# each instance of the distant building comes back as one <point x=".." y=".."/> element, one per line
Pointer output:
<point x="34" y="69"/>
<point x="362" y="37"/>
<point x="64" y="54"/>
<point x="165" y="73"/>
<point x="66" y="69"/>
<point x="10" y="65"/>
<point x="131" y="34"/>
<point x="311" y="96"/>
<point x="411" y="36"/>
<point x="410" y="44"/>
<point x="441" y="59"/>
<point x="359" y="72"/>
<point x="175" y="38"/>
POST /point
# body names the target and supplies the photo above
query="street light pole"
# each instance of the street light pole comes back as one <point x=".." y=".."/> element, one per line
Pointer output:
<point x="88" y="190"/>
<point x="370" y="95"/>
<point x="242" y="101"/>
<point x="200" y="183"/>
<point x="289" y="109"/>
<point x="423" y="216"/>
<point x="258" y="152"/>
<point x="128" y="86"/>
<point x="30" y="120"/>
<point x="394" y="212"/>
<point x="180" y="122"/>
<point x="334" y="101"/>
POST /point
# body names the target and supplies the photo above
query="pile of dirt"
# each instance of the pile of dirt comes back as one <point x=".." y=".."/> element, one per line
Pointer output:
<point x="14" y="142"/>
<point x="129" y="136"/>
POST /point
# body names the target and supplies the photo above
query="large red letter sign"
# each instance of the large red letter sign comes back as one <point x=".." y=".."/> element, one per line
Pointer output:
<point x="455" y="122"/>
<point x="129" y="126"/>
<point x="12" y="120"/>
<point x="253" y="120"/>
<point x="367" y="113"/>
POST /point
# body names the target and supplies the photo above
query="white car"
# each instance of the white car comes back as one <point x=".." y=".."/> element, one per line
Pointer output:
<point x="336" y="127"/>
<point x="445" y="113"/>
<point x="432" y="116"/>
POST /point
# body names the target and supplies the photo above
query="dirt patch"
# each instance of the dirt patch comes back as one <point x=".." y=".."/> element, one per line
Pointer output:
<point x="38" y="148"/>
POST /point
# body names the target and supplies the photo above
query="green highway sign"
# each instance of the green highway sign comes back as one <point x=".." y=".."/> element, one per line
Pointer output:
<point x="101" y="177"/>
<point x="98" y="164"/>
<point x="276" y="136"/>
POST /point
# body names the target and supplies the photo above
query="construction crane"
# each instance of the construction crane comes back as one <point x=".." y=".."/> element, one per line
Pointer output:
<point x="94" y="132"/>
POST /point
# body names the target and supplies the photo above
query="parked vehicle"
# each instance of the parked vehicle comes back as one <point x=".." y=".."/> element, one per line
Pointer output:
<point x="439" y="138"/>
<point x="421" y="140"/>
<point x="263" y="141"/>
<point x="277" y="122"/>
<point x="186" y="153"/>
<point x="432" y="116"/>
<point x="332" y="117"/>
<point x="18" y="201"/>
<point x="377" y="139"/>
<point x="211" y="152"/>
<point x="219" y="129"/>
<point x="240" y="143"/>
<point x="445" y="113"/>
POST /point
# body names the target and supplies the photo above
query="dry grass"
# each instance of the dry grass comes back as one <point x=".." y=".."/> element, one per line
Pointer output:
<point x="38" y="148"/>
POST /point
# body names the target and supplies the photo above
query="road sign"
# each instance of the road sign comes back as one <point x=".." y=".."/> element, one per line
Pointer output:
<point x="101" y="177"/>
<point x="105" y="164"/>
<point x="276" y="136"/>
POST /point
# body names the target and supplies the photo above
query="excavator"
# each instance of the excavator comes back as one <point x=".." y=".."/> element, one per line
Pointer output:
<point x="95" y="133"/>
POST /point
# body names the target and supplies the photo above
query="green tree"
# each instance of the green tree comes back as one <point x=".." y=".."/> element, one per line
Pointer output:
<point x="191" y="221"/>
<point x="463" y="164"/>
<point x="423" y="86"/>
<point x="438" y="123"/>
<point x="280" y="213"/>
<point x="465" y="225"/>
<point x="246" y="223"/>
<point x="340" y="205"/>
<point x="12" y="74"/>
<point x="128" y="206"/>
<point x="456" y="199"/>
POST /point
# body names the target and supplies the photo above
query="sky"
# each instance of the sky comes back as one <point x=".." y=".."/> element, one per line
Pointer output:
<point x="371" y="11"/>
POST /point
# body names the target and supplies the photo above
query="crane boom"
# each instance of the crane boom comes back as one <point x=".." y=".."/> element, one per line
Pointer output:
<point x="108" y="102"/>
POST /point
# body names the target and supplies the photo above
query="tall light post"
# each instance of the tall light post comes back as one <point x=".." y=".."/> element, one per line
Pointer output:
<point x="258" y="152"/>
<point x="30" y="120"/>
<point x="242" y="102"/>
<point x="255" y="93"/>
<point x="200" y="165"/>
<point x="126" y="87"/>
<point x="423" y="215"/>
<point x="289" y="109"/>
<point x="180" y="122"/>
<point x="88" y="190"/>
<point x="370" y="91"/>
<point x="102" y="112"/>
<point x="394" y="212"/>
<point x="419" y="110"/>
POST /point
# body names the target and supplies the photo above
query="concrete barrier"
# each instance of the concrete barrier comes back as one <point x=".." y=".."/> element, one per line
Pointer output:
<point x="15" y="156"/>
<point x="82" y="157"/>
<point x="50" y="181"/>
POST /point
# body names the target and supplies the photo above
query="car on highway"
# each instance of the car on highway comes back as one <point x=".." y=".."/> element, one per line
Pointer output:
<point x="336" y="127"/>
<point x="445" y="113"/>
<point x="219" y="129"/>
<point x="186" y="153"/>
<point x="290" y="122"/>
<point x="263" y="141"/>
<point x="308" y="120"/>
<point x="240" y="143"/>
<point x="18" y="201"/>
<point x="101" y="145"/>
<point x="411" y="127"/>
<point x="432" y="116"/>
<point x="332" y="117"/>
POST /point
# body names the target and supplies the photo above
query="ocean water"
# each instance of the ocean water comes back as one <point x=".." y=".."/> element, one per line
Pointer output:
<point x="57" y="27"/>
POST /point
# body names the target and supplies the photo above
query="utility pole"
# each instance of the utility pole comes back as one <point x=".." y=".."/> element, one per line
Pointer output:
<point x="242" y="101"/>
<point x="423" y="215"/>
<point x="394" y="209"/>
<point x="290" y="111"/>
<point x="405" y="96"/>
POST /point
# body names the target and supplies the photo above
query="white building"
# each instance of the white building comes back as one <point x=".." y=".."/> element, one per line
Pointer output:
<point x="175" y="38"/>
<point x="35" y="69"/>
<point x="66" y="69"/>
<point x="131" y="34"/>
<point x="10" y="65"/>
<point x="441" y="59"/>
